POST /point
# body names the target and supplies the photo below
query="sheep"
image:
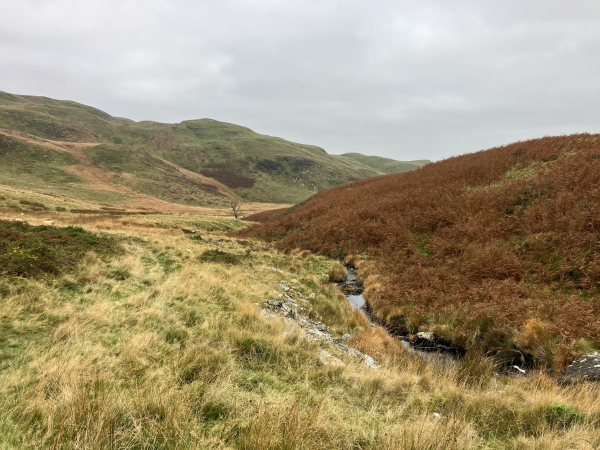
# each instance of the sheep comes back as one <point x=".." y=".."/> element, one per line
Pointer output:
<point x="48" y="222"/>
<point x="17" y="220"/>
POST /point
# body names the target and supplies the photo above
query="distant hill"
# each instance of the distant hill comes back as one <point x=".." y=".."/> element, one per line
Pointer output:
<point x="47" y="144"/>
<point x="495" y="250"/>
<point x="384" y="165"/>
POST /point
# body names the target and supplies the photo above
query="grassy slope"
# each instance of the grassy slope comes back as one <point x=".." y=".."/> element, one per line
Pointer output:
<point x="150" y="347"/>
<point x="492" y="250"/>
<point x="44" y="166"/>
<point x="384" y="165"/>
<point x="254" y="166"/>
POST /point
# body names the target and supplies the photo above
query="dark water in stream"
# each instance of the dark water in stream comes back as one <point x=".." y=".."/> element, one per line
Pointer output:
<point x="352" y="289"/>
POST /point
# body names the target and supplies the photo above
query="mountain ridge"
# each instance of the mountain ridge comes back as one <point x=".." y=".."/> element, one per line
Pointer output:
<point x="149" y="156"/>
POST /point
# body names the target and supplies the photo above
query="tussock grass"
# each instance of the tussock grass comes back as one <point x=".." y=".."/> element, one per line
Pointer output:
<point x="153" y="348"/>
<point x="337" y="272"/>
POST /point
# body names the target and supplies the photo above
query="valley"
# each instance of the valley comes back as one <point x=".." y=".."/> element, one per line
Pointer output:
<point x="494" y="251"/>
<point x="201" y="163"/>
<point x="353" y="302"/>
<point x="122" y="331"/>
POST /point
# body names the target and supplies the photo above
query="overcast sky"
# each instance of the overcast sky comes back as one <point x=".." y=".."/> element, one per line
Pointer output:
<point x="402" y="79"/>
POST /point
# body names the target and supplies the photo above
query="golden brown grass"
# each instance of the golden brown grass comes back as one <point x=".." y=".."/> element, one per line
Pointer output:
<point x="153" y="349"/>
<point x="337" y="272"/>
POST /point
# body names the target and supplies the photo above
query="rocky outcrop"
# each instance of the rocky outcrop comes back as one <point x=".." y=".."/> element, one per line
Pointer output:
<point x="329" y="360"/>
<point x="584" y="368"/>
<point x="297" y="312"/>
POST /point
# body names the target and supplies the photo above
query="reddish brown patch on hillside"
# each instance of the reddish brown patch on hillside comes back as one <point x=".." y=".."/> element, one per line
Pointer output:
<point x="208" y="184"/>
<point x="266" y="215"/>
<point x="477" y="244"/>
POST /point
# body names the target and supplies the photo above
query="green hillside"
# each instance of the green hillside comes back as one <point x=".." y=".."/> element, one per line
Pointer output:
<point x="384" y="165"/>
<point x="147" y="156"/>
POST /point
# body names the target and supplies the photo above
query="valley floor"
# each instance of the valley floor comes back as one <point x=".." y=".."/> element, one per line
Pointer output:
<point x="163" y="345"/>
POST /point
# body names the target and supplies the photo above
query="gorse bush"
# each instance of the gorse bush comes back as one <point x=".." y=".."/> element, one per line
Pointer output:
<point x="511" y="233"/>
<point x="218" y="256"/>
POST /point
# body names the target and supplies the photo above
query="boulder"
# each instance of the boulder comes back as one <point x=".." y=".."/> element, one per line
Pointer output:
<point x="321" y="327"/>
<point x="425" y="339"/>
<point x="584" y="368"/>
<point x="426" y="335"/>
<point x="369" y="361"/>
<point x="330" y="360"/>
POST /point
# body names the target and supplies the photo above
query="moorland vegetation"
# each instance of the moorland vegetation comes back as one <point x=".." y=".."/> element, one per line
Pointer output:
<point x="149" y="338"/>
<point x="494" y="250"/>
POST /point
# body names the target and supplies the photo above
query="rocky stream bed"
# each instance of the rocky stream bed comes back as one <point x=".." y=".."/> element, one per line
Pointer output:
<point x="296" y="310"/>
<point x="427" y="345"/>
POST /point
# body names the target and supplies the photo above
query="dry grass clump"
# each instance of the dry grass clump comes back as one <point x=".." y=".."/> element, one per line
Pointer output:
<point x="301" y="253"/>
<point x="337" y="272"/>
<point x="482" y="242"/>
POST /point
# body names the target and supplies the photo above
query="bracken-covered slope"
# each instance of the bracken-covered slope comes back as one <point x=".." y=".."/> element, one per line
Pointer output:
<point x="495" y="250"/>
<point x="196" y="162"/>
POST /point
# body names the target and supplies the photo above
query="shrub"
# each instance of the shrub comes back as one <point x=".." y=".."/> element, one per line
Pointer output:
<point x="558" y="415"/>
<point x="32" y="204"/>
<point x="217" y="256"/>
<point x="29" y="251"/>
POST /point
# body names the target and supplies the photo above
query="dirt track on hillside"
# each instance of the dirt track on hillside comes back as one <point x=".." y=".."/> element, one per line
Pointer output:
<point x="99" y="179"/>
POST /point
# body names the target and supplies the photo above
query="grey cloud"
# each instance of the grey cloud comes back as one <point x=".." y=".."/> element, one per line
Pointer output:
<point x="403" y="79"/>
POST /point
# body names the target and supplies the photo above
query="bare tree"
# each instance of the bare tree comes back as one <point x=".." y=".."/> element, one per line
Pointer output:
<point x="236" y="206"/>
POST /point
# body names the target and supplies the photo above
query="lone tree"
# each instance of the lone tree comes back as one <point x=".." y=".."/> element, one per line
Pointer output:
<point x="236" y="206"/>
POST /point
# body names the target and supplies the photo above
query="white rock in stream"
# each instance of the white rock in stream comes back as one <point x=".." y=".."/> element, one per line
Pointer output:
<point x="426" y="335"/>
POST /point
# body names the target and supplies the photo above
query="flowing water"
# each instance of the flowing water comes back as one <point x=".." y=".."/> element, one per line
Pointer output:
<point x="352" y="289"/>
<point x="437" y="353"/>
